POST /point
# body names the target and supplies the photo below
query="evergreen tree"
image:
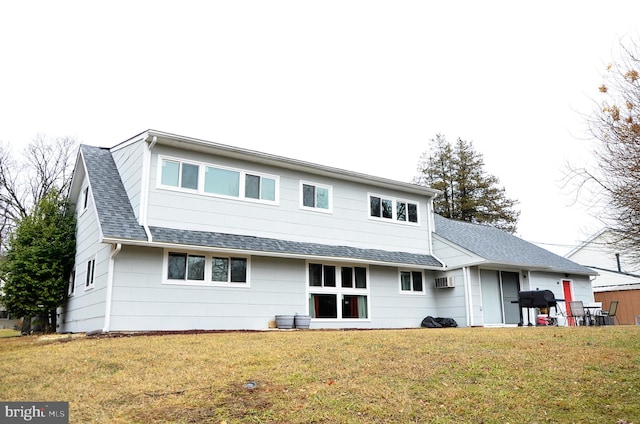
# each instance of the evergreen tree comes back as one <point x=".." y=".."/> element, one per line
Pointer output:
<point x="36" y="266"/>
<point x="468" y="192"/>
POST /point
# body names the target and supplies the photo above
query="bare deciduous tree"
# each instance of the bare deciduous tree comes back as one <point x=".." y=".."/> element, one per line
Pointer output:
<point x="45" y="164"/>
<point x="612" y="185"/>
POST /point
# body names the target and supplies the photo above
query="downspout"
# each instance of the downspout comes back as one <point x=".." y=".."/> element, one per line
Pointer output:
<point x="144" y="202"/>
<point x="107" y="312"/>
<point x="467" y="295"/>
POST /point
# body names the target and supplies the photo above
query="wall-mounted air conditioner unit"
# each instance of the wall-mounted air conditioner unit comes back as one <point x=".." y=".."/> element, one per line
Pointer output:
<point x="444" y="282"/>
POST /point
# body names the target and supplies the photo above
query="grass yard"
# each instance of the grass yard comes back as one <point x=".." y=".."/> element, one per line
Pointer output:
<point x="507" y="375"/>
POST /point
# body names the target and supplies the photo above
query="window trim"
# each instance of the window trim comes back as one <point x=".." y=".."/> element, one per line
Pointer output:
<point x="338" y="290"/>
<point x="394" y="209"/>
<point x="201" y="180"/>
<point x="329" y="188"/>
<point x="90" y="274"/>
<point x="208" y="268"/>
<point x="411" y="292"/>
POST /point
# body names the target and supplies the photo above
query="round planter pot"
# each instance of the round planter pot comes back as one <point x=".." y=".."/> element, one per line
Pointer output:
<point x="284" y="321"/>
<point x="302" y="321"/>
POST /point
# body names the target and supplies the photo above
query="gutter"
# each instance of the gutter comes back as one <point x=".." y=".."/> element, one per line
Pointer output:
<point x="252" y="252"/>
<point x="107" y="313"/>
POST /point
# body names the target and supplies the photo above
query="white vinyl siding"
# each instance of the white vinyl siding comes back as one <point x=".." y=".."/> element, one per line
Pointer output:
<point x="346" y="220"/>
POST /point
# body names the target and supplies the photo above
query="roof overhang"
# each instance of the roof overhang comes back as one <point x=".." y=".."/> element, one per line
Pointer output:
<point x="266" y="253"/>
<point x="209" y="147"/>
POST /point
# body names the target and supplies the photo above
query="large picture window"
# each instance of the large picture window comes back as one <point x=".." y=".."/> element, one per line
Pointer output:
<point x="346" y="300"/>
<point x="195" y="268"/>
<point x="222" y="181"/>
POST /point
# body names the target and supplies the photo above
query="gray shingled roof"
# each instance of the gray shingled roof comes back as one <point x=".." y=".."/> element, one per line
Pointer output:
<point x="269" y="245"/>
<point x="501" y="247"/>
<point x="115" y="213"/>
<point x="118" y="221"/>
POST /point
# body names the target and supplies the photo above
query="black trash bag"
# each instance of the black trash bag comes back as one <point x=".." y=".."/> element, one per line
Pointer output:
<point x="430" y="322"/>
<point x="446" y="322"/>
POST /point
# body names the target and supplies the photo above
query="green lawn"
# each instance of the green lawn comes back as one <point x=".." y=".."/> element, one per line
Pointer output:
<point x="515" y="375"/>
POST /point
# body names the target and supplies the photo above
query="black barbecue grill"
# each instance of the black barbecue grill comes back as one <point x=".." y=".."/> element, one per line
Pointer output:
<point x="541" y="299"/>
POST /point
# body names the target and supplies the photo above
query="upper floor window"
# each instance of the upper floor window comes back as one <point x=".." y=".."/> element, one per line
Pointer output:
<point x="180" y="174"/>
<point x="218" y="180"/>
<point x="393" y="209"/>
<point x="316" y="196"/>
<point x="221" y="181"/>
<point x="83" y="200"/>
<point x="259" y="187"/>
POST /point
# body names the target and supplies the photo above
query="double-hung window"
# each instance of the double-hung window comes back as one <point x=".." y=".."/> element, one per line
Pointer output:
<point x="207" y="269"/>
<point x="388" y="208"/>
<point x="338" y="292"/>
<point x="411" y="282"/>
<point x="315" y="196"/>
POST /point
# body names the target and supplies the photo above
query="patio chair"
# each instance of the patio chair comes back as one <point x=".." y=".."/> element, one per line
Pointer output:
<point x="612" y="312"/>
<point x="576" y="313"/>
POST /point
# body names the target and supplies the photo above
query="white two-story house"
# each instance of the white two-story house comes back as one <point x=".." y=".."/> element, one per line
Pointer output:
<point x="176" y="233"/>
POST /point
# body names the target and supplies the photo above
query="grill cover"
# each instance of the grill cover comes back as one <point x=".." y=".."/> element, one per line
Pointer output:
<point x="536" y="299"/>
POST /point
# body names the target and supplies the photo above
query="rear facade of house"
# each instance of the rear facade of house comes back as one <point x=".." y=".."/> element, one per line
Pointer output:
<point x="175" y="233"/>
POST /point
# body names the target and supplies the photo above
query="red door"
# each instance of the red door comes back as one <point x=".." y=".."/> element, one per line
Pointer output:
<point x="568" y="297"/>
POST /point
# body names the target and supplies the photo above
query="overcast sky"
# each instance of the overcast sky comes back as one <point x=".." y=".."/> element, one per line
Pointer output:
<point x="360" y="85"/>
